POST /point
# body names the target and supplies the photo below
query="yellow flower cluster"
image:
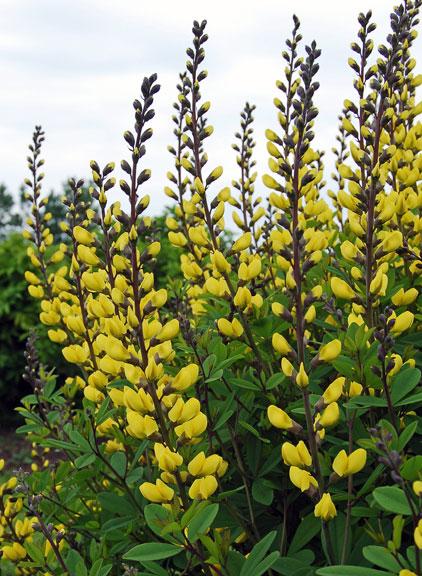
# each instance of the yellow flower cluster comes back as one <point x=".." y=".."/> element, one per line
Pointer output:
<point x="105" y="311"/>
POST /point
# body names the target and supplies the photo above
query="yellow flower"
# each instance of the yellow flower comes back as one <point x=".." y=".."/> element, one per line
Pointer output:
<point x="94" y="281"/>
<point x="296" y="455"/>
<point x="402" y="298"/>
<point x="393" y="241"/>
<point x="402" y="322"/>
<point x="82" y="236"/>
<point x="302" y="379"/>
<point x="242" y="243"/>
<point x="344" y="465"/>
<point x="233" y="329"/>
<point x="279" y="418"/>
<point x="202" y="465"/>
<point x="280" y="344"/>
<point x="57" y="336"/>
<point x="302" y="479"/>
<point x="203" y="488"/>
<point x="287" y="367"/>
<point x="192" y="428"/>
<point x="186" y="377"/>
<point x="87" y="255"/>
<point x="325" y="508"/>
<point x="418" y="535"/>
<point x="334" y="390"/>
<point x="341" y="289"/>
<point x="166" y="458"/>
<point x="330" y="416"/>
<point x="169" y="331"/>
<point x="75" y="354"/>
<point x="13" y="552"/>
<point x="406" y="572"/>
<point x="417" y="486"/>
<point x="330" y="351"/>
<point x="158" y="492"/>
<point x="220" y="263"/>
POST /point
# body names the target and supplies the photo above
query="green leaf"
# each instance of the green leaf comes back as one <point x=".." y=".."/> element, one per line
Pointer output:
<point x="275" y="380"/>
<point x="76" y="564"/>
<point x="157" y="517"/>
<point x="253" y="431"/>
<point x="202" y="521"/>
<point x="266" y="563"/>
<point x="381" y="557"/>
<point x="404" y="382"/>
<point x="152" y="551"/>
<point x="392" y="499"/>
<point x="304" y="533"/>
<point x="350" y="571"/>
<point x="367" y="402"/>
<point x="257" y="555"/>
<point x="119" y="462"/>
<point x="35" y="553"/>
<point x="262" y="491"/>
<point x="411" y="469"/>
<point x="407" y="434"/>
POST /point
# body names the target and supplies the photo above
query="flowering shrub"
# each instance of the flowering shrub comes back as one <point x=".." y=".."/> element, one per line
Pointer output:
<point x="259" y="416"/>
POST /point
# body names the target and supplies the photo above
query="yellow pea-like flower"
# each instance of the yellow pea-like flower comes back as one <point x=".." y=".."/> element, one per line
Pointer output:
<point x="220" y="263"/>
<point x="330" y="415"/>
<point x="87" y="255"/>
<point x="344" y="465"/>
<point x="93" y="394"/>
<point x="355" y="389"/>
<point x="233" y="329"/>
<point x="203" y="488"/>
<point x="242" y="243"/>
<point x="31" y="278"/>
<point x="116" y="350"/>
<point x="302" y="479"/>
<point x="393" y="241"/>
<point x="202" y="465"/>
<point x="302" y="379"/>
<point x="403" y="298"/>
<point x="417" y="487"/>
<point x="13" y="552"/>
<point x="402" y="322"/>
<point x="167" y="460"/>
<point x="158" y="492"/>
<point x="192" y="428"/>
<point x="341" y="289"/>
<point x="296" y="455"/>
<point x="330" y="351"/>
<point x="334" y="390"/>
<point x="287" y="367"/>
<point x="186" y="377"/>
<point x="75" y="354"/>
<point x="94" y="281"/>
<point x="418" y="535"/>
<point x="310" y="314"/>
<point x="325" y="508"/>
<point x="83" y="236"/>
<point x="280" y="344"/>
<point x="279" y="418"/>
<point x="169" y="331"/>
<point x="57" y="336"/>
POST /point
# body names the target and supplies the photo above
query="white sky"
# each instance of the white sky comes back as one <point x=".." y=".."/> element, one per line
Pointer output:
<point x="75" y="66"/>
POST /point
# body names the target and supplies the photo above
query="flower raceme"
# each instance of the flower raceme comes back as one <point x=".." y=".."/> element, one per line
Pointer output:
<point x="299" y="313"/>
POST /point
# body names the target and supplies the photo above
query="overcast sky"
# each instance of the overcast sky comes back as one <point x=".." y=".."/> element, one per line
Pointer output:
<point x="75" y="66"/>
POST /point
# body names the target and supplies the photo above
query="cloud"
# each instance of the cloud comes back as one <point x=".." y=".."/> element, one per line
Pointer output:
<point x="76" y="65"/>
